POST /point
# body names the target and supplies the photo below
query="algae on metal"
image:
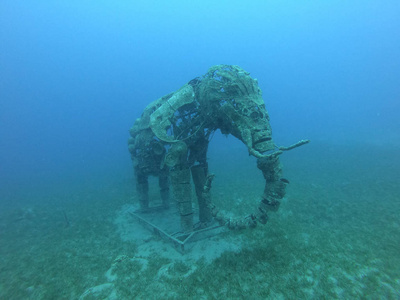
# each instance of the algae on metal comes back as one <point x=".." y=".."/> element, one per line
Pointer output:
<point x="170" y="140"/>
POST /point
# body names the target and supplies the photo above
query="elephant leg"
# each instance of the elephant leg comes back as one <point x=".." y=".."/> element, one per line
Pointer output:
<point x="142" y="187"/>
<point x="199" y="179"/>
<point x="164" y="187"/>
<point x="180" y="179"/>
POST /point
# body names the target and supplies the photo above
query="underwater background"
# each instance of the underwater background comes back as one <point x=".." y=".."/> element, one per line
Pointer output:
<point x="75" y="75"/>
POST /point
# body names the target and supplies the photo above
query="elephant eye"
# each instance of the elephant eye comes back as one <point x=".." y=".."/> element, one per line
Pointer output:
<point x="254" y="115"/>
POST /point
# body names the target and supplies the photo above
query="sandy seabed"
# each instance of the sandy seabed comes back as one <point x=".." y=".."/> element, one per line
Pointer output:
<point x="336" y="235"/>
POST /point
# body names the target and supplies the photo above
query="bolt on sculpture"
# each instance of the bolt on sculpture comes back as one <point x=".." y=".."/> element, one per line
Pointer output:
<point x="170" y="140"/>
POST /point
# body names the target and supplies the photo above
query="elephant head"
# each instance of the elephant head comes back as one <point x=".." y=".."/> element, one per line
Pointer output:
<point x="233" y="102"/>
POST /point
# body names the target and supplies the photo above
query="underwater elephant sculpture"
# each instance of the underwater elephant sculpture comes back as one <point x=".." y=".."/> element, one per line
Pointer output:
<point x="170" y="140"/>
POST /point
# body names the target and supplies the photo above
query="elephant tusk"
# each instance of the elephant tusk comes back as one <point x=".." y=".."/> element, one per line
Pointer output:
<point x="280" y="150"/>
<point x="298" y="144"/>
<point x="257" y="154"/>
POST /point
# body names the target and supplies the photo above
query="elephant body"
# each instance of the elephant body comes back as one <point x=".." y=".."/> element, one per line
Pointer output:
<point x="170" y="140"/>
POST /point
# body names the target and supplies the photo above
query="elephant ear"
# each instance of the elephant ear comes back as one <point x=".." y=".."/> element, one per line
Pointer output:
<point x="160" y="119"/>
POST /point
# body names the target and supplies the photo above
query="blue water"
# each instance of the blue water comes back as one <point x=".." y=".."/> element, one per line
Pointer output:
<point x="75" y="75"/>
